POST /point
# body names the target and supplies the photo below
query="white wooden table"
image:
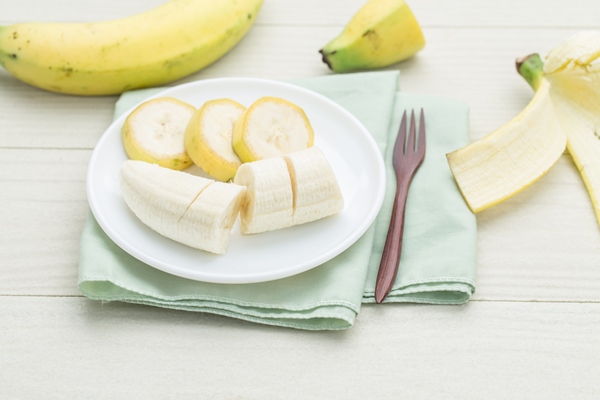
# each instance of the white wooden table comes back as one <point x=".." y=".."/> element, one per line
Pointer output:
<point x="532" y="331"/>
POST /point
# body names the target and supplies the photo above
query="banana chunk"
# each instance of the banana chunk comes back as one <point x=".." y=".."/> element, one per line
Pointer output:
<point x="188" y="209"/>
<point x="316" y="190"/>
<point x="381" y="33"/>
<point x="269" y="201"/>
<point x="271" y="127"/>
<point x="154" y="132"/>
<point x="208" y="138"/>
<point x="283" y="191"/>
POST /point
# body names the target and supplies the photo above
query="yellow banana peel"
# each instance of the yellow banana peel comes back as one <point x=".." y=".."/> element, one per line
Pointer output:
<point x="564" y="113"/>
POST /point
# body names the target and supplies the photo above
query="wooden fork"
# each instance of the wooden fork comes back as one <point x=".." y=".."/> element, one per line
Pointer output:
<point x="406" y="161"/>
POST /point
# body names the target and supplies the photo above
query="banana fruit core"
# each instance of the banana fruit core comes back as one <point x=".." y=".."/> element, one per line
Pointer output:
<point x="271" y="127"/>
<point x="154" y="132"/>
<point x="269" y="194"/>
<point x="293" y="189"/>
<point x="208" y="138"/>
<point x="188" y="209"/>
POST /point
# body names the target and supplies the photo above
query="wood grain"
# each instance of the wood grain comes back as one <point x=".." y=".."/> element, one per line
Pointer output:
<point x="77" y="348"/>
<point x="529" y="332"/>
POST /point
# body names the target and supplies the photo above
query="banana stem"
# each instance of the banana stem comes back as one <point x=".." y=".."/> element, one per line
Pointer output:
<point x="531" y="68"/>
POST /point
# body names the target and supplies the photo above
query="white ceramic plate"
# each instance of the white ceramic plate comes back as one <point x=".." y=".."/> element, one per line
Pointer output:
<point x="351" y="150"/>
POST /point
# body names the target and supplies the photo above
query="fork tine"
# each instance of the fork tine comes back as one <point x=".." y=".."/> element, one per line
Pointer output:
<point x="410" y="147"/>
<point x="399" y="145"/>
<point x="421" y="143"/>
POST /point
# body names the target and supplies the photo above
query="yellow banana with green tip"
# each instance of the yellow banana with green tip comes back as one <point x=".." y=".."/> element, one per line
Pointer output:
<point x="381" y="33"/>
<point x="149" y="49"/>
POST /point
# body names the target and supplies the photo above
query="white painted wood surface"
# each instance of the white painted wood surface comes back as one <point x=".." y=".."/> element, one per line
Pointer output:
<point x="532" y="330"/>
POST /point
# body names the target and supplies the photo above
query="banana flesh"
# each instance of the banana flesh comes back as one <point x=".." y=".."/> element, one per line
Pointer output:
<point x="316" y="191"/>
<point x="381" y="33"/>
<point x="149" y="49"/>
<point x="563" y="114"/>
<point x="154" y="132"/>
<point x="271" y="127"/>
<point x="269" y="200"/>
<point x="191" y="210"/>
<point x="283" y="191"/>
<point x="208" y="137"/>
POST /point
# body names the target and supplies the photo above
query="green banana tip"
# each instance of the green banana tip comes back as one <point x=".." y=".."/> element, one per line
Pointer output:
<point x="531" y="68"/>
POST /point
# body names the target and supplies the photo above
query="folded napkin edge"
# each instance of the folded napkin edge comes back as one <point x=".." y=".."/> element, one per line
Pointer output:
<point x="218" y="299"/>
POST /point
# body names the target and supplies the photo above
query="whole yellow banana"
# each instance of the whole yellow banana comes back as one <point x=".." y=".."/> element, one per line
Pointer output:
<point x="144" y="50"/>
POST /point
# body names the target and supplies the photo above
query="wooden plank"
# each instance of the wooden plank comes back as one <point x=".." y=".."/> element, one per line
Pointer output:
<point x="73" y="347"/>
<point x="473" y="65"/>
<point x="43" y="206"/>
<point x="430" y="13"/>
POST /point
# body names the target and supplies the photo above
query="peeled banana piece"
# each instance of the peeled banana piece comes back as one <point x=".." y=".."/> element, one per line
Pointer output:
<point x="269" y="200"/>
<point x="283" y="191"/>
<point x="154" y="132"/>
<point x="149" y="49"/>
<point x="564" y="113"/>
<point x="316" y="191"/>
<point x="188" y="209"/>
<point x="271" y="127"/>
<point x="381" y="33"/>
<point x="208" y="138"/>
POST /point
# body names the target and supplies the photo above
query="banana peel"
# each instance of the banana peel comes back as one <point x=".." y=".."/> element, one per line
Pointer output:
<point x="563" y="114"/>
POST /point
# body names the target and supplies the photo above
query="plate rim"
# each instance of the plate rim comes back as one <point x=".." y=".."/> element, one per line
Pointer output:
<point x="266" y="276"/>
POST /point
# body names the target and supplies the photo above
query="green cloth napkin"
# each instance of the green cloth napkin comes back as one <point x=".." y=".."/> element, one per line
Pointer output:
<point x="438" y="260"/>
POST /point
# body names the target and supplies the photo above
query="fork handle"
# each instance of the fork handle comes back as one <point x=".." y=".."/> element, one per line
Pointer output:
<point x="388" y="268"/>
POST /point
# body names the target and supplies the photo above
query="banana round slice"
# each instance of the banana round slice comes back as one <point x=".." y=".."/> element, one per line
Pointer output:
<point x="271" y="127"/>
<point x="208" y="138"/>
<point x="269" y="201"/>
<point x="316" y="190"/>
<point x="188" y="209"/>
<point x="154" y="132"/>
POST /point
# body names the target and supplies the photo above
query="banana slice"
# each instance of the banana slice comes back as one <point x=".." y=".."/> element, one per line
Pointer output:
<point x="188" y="209"/>
<point x="154" y="132"/>
<point x="269" y="201"/>
<point x="316" y="190"/>
<point x="271" y="127"/>
<point x="208" y="138"/>
<point x="283" y="191"/>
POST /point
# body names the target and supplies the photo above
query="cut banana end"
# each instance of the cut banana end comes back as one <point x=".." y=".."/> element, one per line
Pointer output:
<point x="154" y="133"/>
<point x="188" y="209"/>
<point x="208" y="138"/>
<point x="510" y="159"/>
<point x="269" y="201"/>
<point x="316" y="190"/>
<point x="283" y="191"/>
<point x="271" y="127"/>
